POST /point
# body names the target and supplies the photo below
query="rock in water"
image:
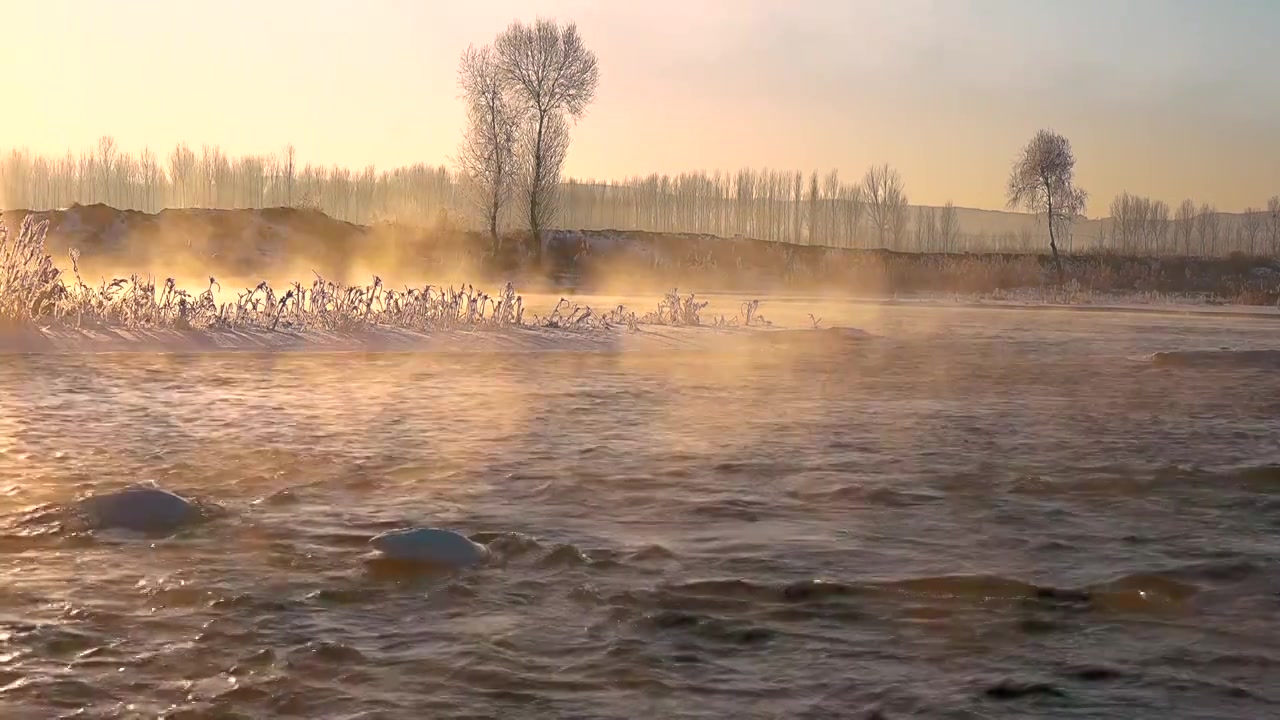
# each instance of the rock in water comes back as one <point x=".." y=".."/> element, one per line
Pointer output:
<point x="142" y="509"/>
<point x="431" y="546"/>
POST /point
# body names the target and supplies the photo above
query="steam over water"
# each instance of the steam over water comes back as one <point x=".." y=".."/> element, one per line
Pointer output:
<point x="979" y="514"/>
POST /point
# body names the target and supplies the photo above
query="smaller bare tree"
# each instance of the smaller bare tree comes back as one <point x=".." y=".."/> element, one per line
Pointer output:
<point x="886" y="202"/>
<point x="948" y="227"/>
<point x="926" y="229"/>
<point x="1184" y="226"/>
<point x="1043" y="181"/>
<point x="1158" y="221"/>
<point x="1251" y="226"/>
<point x="1208" y="229"/>
<point x="856" y="207"/>
<point x="487" y="156"/>
<point x="1273" y="223"/>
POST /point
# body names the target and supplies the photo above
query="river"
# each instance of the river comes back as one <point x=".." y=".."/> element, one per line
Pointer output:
<point x="976" y="514"/>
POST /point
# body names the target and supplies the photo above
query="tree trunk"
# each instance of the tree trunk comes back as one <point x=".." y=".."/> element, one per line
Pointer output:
<point x="493" y="226"/>
<point x="535" y="191"/>
<point x="1053" y="244"/>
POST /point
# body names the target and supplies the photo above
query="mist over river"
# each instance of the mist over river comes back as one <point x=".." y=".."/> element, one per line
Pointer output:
<point x="972" y="514"/>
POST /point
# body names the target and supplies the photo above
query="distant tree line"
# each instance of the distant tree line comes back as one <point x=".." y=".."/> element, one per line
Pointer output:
<point x="1142" y="225"/>
<point x="765" y="204"/>
<point x="768" y="205"/>
<point x="212" y="179"/>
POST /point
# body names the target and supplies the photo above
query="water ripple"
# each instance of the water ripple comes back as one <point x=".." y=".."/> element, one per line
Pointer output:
<point x="948" y="524"/>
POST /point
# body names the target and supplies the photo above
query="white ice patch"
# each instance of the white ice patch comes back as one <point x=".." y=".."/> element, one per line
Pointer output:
<point x="430" y="545"/>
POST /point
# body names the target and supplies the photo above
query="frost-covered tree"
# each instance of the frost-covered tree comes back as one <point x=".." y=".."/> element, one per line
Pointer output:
<point x="551" y="74"/>
<point x="487" y="155"/>
<point x="1042" y="180"/>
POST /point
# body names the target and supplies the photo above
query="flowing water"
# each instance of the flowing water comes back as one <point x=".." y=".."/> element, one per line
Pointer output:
<point x="978" y="514"/>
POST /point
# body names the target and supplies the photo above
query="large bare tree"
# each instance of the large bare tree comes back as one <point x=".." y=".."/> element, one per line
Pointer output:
<point x="551" y="74"/>
<point x="885" y="201"/>
<point x="487" y="155"/>
<point x="1043" y="181"/>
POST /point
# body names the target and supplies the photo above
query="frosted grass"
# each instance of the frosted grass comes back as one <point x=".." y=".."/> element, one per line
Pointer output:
<point x="33" y="290"/>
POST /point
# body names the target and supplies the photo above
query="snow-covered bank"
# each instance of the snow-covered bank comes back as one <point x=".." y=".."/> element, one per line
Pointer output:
<point x="243" y="247"/>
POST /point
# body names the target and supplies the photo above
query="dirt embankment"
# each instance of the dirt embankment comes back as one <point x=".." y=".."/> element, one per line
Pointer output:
<point x="286" y="243"/>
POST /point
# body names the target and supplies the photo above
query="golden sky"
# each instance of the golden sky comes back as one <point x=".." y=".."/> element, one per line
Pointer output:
<point x="1172" y="99"/>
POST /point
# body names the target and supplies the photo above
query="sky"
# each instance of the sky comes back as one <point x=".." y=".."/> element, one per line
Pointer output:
<point x="1167" y="98"/>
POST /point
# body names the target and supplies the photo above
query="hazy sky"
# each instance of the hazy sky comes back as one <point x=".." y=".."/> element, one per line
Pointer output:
<point x="1170" y="98"/>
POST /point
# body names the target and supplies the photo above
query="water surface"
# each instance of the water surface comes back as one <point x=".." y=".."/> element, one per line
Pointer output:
<point x="982" y="514"/>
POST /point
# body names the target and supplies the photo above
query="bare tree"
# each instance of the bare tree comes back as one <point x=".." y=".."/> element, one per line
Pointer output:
<point x="855" y="207"/>
<point x="1158" y="221"/>
<point x="152" y="179"/>
<point x="1043" y="181"/>
<point x="1128" y="218"/>
<point x="885" y="200"/>
<point x="926" y="228"/>
<point x="487" y="156"/>
<point x="831" y="198"/>
<point x="541" y="151"/>
<point x="1184" y="226"/>
<point x="797" y="191"/>
<point x="551" y="74"/>
<point x="107" y="154"/>
<point x="1251" y="225"/>
<point x="289" y="173"/>
<point x="948" y="227"/>
<point x="900" y="222"/>
<point x="1273" y="223"/>
<point x="182" y="165"/>
<point x="815" y="214"/>
<point x="1208" y="229"/>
